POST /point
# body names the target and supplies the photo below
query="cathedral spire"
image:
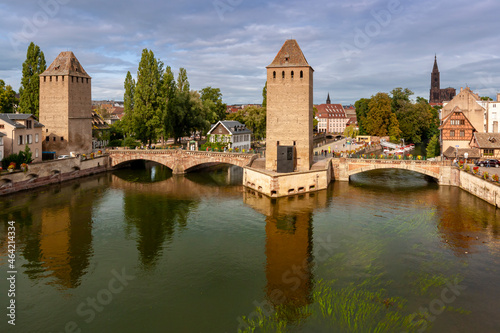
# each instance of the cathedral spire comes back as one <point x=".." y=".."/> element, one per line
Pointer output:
<point x="328" y="99"/>
<point x="435" y="69"/>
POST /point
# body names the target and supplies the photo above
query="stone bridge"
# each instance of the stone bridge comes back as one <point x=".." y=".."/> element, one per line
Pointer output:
<point x="180" y="161"/>
<point x="343" y="168"/>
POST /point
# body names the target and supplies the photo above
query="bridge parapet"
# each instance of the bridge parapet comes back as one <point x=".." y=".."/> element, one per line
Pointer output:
<point x="343" y="168"/>
<point x="180" y="160"/>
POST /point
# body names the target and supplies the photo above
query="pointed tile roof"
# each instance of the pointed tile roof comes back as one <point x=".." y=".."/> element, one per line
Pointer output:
<point x="66" y="64"/>
<point x="290" y="55"/>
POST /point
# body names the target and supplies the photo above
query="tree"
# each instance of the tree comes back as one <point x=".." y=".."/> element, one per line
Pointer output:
<point x="315" y="121"/>
<point x="182" y="81"/>
<point x="33" y="66"/>
<point x="255" y="120"/>
<point x="350" y="131"/>
<point x="128" y="104"/>
<point x="400" y="97"/>
<point x="148" y="100"/>
<point x="8" y="98"/>
<point x="212" y="100"/>
<point x="361" y="114"/>
<point x="380" y="120"/>
<point x="264" y="96"/>
<point x="433" y="148"/>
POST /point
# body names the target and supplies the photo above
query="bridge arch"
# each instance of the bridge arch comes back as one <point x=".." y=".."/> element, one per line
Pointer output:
<point x="400" y="167"/>
<point x="152" y="159"/>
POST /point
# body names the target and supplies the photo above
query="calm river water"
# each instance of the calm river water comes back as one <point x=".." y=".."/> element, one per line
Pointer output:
<point x="140" y="250"/>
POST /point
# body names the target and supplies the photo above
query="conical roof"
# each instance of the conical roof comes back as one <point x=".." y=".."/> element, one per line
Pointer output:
<point x="66" y="64"/>
<point x="435" y="68"/>
<point x="290" y="55"/>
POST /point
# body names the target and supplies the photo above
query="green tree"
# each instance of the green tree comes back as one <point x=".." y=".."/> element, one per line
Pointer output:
<point x="212" y="100"/>
<point x="128" y="105"/>
<point x="182" y="81"/>
<point x="315" y="121"/>
<point x="148" y="100"/>
<point x="7" y="98"/>
<point x="400" y="97"/>
<point x="361" y="114"/>
<point x="33" y="66"/>
<point x="255" y="120"/>
<point x="350" y="131"/>
<point x="238" y="116"/>
<point x="264" y="96"/>
<point x="380" y="120"/>
<point x="433" y="148"/>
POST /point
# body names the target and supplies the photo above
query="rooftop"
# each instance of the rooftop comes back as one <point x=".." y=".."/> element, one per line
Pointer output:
<point x="66" y="64"/>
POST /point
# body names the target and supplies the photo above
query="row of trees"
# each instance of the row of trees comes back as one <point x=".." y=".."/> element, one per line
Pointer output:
<point x="28" y="101"/>
<point x="158" y="106"/>
<point x="397" y="116"/>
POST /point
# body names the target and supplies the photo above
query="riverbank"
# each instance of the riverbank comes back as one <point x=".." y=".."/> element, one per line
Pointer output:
<point x="51" y="172"/>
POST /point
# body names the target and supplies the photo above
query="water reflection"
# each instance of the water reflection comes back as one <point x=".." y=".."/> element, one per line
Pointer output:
<point x="289" y="247"/>
<point x="54" y="230"/>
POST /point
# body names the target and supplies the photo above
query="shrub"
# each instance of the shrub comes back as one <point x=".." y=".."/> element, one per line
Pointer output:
<point x="130" y="142"/>
<point x="467" y="168"/>
<point x="115" y="143"/>
<point x="475" y="170"/>
<point x="485" y="175"/>
<point x="495" y="178"/>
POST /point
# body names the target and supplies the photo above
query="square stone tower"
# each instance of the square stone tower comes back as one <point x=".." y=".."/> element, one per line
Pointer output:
<point x="289" y="107"/>
<point x="66" y="106"/>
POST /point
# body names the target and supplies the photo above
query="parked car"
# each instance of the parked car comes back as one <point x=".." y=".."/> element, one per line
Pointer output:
<point x="488" y="163"/>
<point x="60" y="157"/>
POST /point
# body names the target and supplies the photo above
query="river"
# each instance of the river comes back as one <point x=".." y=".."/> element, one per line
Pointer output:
<point x="141" y="250"/>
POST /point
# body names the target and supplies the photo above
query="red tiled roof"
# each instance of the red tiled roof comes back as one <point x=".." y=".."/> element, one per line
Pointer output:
<point x="330" y="111"/>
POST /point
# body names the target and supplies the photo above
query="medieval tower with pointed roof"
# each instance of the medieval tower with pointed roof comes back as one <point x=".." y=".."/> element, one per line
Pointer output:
<point x="290" y="107"/>
<point x="65" y="106"/>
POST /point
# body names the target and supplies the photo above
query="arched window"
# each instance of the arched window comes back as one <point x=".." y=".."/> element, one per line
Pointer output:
<point x="274" y="74"/>
<point x="301" y="74"/>
<point x="283" y="74"/>
<point x="292" y="74"/>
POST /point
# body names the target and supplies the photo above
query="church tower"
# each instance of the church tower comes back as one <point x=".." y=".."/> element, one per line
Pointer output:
<point x="65" y="106"/>
<point x="290" y="107"/>
<point x="328" y="101"/>
<point x="435" y="93"/>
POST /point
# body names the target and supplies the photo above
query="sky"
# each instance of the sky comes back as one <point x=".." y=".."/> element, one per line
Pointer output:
<point x="357" y="48"/>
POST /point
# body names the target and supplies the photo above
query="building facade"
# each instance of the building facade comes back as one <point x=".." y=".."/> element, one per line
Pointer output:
<point x="438" y="95"/>
<point x="232" y="133"/>
<point x="471" y="105"/>
<point x="487" y="143"/>
<point x="19" y="131"/>
<point x="65" y="106"/>
<point x="290" y="107"/>
<point x="331" y="118"/>
<point x="492" y="114"/>
<point x="456" y="131"/>
<point x="1" y="145"/>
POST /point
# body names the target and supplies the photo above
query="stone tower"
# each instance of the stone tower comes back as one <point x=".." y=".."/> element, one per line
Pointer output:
<point x="66" y="106"/>
<point x="435" y="93"/>
<point x="290" y="107"/>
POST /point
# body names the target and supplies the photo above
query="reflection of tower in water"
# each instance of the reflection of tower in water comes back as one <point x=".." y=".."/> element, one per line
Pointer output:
<point x="289" y="245"/>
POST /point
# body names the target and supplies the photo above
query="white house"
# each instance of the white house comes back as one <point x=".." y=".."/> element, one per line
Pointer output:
<point x="231" y="132"/>
<point x="492" y="115"/>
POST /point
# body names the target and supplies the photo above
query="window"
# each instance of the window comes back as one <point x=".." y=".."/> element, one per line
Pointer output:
<point x="283" y="74"/>
<point x="1" y="126"/>
<point x="488" y="152"/>
<point x="57" y="78"/>
<point x="452" y="133"/>
<point x="1" y="141"/>
<point x="462" y="133"/>
<point x="47" y="138"/>
<point x="291" y="74"/>
<point x="29" y="124"/>
<point x="36" y="152"/>
<point x="62" y="138"/>
<point x="274" y="74"/>
<point x="20" y="140"/>
<point x="36" y="138"/>
<point x="301" y="74"/>
<point x="54" y="139"/>
<point x="29" y="138"/>
<point x="50" y="78"/>
<point x="62" y="78"/>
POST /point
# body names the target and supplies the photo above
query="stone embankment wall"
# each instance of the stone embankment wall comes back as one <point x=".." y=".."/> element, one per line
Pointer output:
<point x="484" y="189"/>
<point x="51" y="172"/>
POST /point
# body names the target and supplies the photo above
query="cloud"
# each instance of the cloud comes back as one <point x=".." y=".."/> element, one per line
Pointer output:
<point x="228" y="43"/>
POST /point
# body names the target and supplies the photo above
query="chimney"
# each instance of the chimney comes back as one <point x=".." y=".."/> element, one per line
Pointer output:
<point x="461" y="89"/>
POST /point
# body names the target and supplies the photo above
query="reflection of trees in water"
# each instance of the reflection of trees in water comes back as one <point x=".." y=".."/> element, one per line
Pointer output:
<point x="141" y="171"/>
<point x="155" y="218"/>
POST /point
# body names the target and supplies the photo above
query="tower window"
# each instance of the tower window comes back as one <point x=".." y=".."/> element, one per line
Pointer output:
<point x="283" y="74"/>
<point x="87" y="80"/>
<point x="301" y="74"/>
<point x="62" y="78"/>
<point x="57" y="78"/>
<point x="51" y="78"/>
<point x="44" y="79"/>
<point x="72" y="79"/>
<point x="274" y="74"/>
<point x="62" y="138"/>
<point x="292" y="74"/>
